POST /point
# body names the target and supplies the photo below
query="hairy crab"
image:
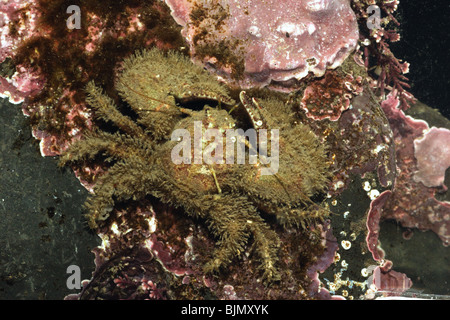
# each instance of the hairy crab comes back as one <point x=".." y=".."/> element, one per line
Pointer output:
<point x="163" y="93"/>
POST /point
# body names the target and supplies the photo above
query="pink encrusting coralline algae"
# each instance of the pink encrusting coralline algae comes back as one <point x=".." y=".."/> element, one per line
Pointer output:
<point x="412" y="202"/>
<point x="432" y="152"/>
<point x="259" y="42"/>
<point x="24" y="82"/>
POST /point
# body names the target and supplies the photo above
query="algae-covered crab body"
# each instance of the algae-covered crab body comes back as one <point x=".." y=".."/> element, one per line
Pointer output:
<point x="165" y="150"/>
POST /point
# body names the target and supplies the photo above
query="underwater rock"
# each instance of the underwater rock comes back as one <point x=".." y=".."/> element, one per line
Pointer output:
<point x="253" y="43"/>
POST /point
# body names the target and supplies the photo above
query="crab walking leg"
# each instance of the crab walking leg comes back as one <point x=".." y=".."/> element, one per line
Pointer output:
<point x="116" y="146"/>
<point x="233" y="220"/>
<point x="227" y="222"/>
<point x="107" y="110"/>
<point x="266" y="244"/>
<point x="297" y="217"/>
<point x="123" y="181"/>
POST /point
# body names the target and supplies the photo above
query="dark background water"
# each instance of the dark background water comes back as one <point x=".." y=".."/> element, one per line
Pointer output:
<point x="425" y="44"/>
<point x="42" y="228"/>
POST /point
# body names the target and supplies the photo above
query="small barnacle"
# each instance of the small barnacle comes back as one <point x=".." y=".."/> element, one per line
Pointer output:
<point x="364" y="272"/>
<point x="373" y="194"/>
<point x="337" y="257"/>
<point x="346" y="244"/>
<point x="366" y="186"/>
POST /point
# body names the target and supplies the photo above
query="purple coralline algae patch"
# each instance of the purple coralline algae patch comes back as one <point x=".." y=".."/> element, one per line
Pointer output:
<point x="253" y="43"/>
<point x="432" y="153"/>
<point x="383" y="277"/>
<point x="330" y="95"/>
<point x="412" y="203"/>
